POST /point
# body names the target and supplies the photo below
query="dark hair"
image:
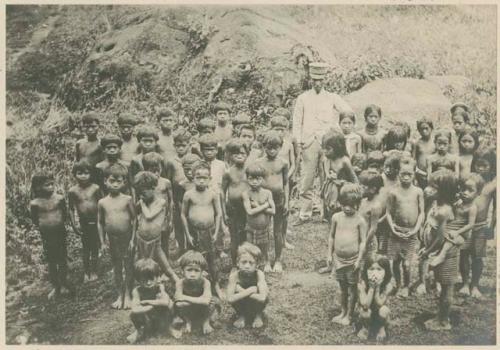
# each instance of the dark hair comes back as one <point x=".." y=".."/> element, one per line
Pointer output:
<point x="335" y="140"/>
<point x="206" y="123"/>
<point x="182" y="135"/>
<point x="249" y="248"/>
<point x="247" y="127"/>
<point x="347" y="114"/>
<point x="207" y="140"/>
<point x="152" y="160"/>
<point x="350" y="194"/>
<point x="109" y="139"/>
<point x="463" y="114"/>
<point x="359" y="158"/>
<point x="145" y="269"/>
<point x="279" y="120"/>
<point x="375" y="157"/>
<point x="472" y="133"/>
<point x="372" y="108"/>
<point x="116" y="170"/>
<point x="384" y="263"/>
<point x="164" y="112"/>
<point x="222" y="106"/>
<point x="234" y="146"/>
<point x="200" y="165"/>
<point x="406" y="160"/>
<point x="127" y="118"/>
<point x="395" y="135"/>
<point x="147" y="131"/>
<point x="272" y="138"/>
<point x="240" y="119"/>
<point x="190" y="158"/>
<point x="192" y="257"/>
<point x="255" y="169"/>
<point x="476" y="178"/>
<point x="442" y="133"/>
<point x="282" y="112"/>
<point x="370" y="179"/>
<point x="488" y="154"/>
<point x="446" y="183"/>
<point x="90" y="117"/>
<point x="422" y="121"/>
<point x="82" y="165"/>
<point x="394" y="161"/>
<point x="38" y="180"/>
<point x="145" y="180"/>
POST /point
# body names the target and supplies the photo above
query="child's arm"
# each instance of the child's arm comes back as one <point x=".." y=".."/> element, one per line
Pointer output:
<point x="272" y="206"/>
<point x="421" y="212"/>
<point x="291" y="161"/>
<point x="262" y="289"/>
<point x="184" y="214"/>
<point x="170" y="201"/>
<point x="362" y="229"/>
<point x="136" y="303"/>
<point x="285" y="186"/>
<point x="101" y="225"/>
<point x="429" y="167"/>
<point x="218" y="212"/>
<point x="348" y="166"/>
<point x="71" y="211"/>
<point x="133" y="215"/>
<point x="331" y="241"/>
<point x="380" y="297"/>
<point x="163" y="300"/>
<point x="457" y="166"/>
<point x="388" y="216"/>
<point x="471" y="219"/>
<point x="358" y="144"/>
<point x="365" y="297"/>
<point x="156" y="208"/>
<point x="372" y="225"/>
<point x="232" y="295"/>
<point x="202" y="300"/>
<point x="248" y="205"/>
<point x="226" y="180"/>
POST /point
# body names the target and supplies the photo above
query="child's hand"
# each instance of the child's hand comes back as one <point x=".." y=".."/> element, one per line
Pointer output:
<point x="253" y="289"/>
<point x="189" y="239"/>
<point x="285" y="208"/>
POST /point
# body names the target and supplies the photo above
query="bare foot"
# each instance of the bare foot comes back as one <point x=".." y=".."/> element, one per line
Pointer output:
<point x="403" y="292"/>
<point x="289" y="246"/>
<point x="381" y="335"/>
<point x="53" y="294"/>
<point x="465" y="290"/>
<point x="363" y="333"/>
<point x="127" y="302"/>
<point x="135" y="337"/>
<point x="207" y="328"/>
<point x="187" y="327"/>
<point x="338" y="318"/>
<point x="240" y="322"/>
<point x="93" y="277"/>
<point x="118" y="304"/>
<point x="176" y="333"/>
<point x="257" y="322"/>
<point x="475" y="293"/>
<point x="278" y="268"/>
<point x="325" y="269"/>
<point x="268" y="268"/>
<point x="346" y="321"/>
<point x="421" y="290"/>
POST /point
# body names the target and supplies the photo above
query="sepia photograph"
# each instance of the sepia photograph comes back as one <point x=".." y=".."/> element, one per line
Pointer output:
<point x="243" y="174"/>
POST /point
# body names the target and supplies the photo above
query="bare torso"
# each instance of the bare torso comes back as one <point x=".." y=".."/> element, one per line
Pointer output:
<point x="423" y="150"/>
<point x="117" y="215"/>
<point x="90" y="151"/>
<point x="85" y="200"/>
<point x="201" y="208"/>
<point x="261" y="220"/>
<point x="50" y="212"/>
<point x="405" y="206"/>
<point x="347" y="235"/>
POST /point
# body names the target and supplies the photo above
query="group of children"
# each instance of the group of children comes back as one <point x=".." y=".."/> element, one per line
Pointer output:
<point x="388" y="200"/>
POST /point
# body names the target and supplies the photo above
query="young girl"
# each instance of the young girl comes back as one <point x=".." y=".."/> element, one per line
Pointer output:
<point x="424" y="147"/>
<point x="468" y="142"/>
<point x="373" y="289"/>
<point x="442" y="159"/>
<point x="372" y="135"/>
<point x="444" y="182"/>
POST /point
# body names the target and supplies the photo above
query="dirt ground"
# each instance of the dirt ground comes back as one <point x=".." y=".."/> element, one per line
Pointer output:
<point x="302" y="304"/>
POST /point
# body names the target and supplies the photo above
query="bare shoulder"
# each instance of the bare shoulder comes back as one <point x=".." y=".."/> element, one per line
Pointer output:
<point x="260" y="276"/>
<point x="337" y="216"/>
<point x="267" y="192"/>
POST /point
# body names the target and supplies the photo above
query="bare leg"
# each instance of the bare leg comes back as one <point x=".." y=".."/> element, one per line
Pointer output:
<point x="140" y="323"/>
<point x="278" y="239"/>
<point x="207" y="328"/>
<point x="118" y="274"/>
<point x="464" y="272"/>
<point x="54" y="280"/>
<point x="257" y="322"/>
<point x="353" y="293"/>
<point x="265" y="257"/>
<point x="404" y="292"/>
<point x="240" y="322"/>
<point x="384" y="314"/>
<point x="365" y="317"/>
<point x="477" y="271"/>
<point x="344" y="297"/>
<point x="439" y="259"/>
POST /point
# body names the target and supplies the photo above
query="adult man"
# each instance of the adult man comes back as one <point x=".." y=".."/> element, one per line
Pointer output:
<point x="316" y="111"/>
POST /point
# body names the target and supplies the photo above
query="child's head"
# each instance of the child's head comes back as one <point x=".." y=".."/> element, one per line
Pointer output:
<point x="272" y="142"/>
<point x="222" y="111"/>
<point x="147" y="137"/>
<point x="460" y="120"/>
<point x="280" y="124"/>
<point x="166" y="118"/>
<point x="347" y="119"/>
<point x="371" y="182"/>
<point x="442" y="140"/>
<point x="471" y="186"/>
<point x="282" y="112"/>
<point x="237" y="151"/>
<point x="111" y="144"/>
<point x="182" y="140"/>
<point x="187" y="164"/>
<point x="333" y="143"/>
<point x="392" y="166"/>
<point x="115" y="177"/>
<point x="425" y="127"/>
<point x="373" y="113"/>
<point x="484" y="162"/>
<point x="201" y="175"/>
<point x="90" y="123"/>
<point x="377" y="270"/>
<point x="255" y="175"/>
<point x="145" y="183"/>
<point x="358" y="161"/>
<point x="192" y="264"/>
<point x="126" y="123"/>
<point x="248" y="257"/>
<point x="42" y="184"/>
<point x="82" y="171"/>
<point x="208" y="146"/>
<point x="350" y="197"/>
<point x="396" y="138"/>
<point x="468" y="141"/>
<point x="146" y="272"/>
<point x="239" y="121"/>
<point x="247" y="134"/>
<point x="153" y="162"/>
<point x="444" y="184"/>
<point x="206" y="126"/>
<point x="375" y="160"/>
<point x="459" y="107"/>
<point x="406" y="172"/>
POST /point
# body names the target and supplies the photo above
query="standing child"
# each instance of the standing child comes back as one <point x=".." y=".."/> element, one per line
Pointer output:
<point x="148" y="140"/>
<point x="396" y="139"/>
<point x="116" y="221"/>
<point x="276" y="180"/>
<point x="442" y="159"/>
<point x="152" y="307"/>
<point x="346" y="245"/>
<point x="182" y="142"/>
<point x="372" y="135"/>
<point x="166" y="119"/>
<point x="239" y="120"/>
<point x="130" y="147"/>
<point x="424" y="147"/>
<point x="247" y="290"/>
<point x="89" y="148"/>
<point x="223" y="131"/>
<point x="405" y="216"/>
<point x="375" y="161"/>
<point x="460" y="120"/>
<point x="48" y="213"/>
<point x="83" y="198"/>
<point x="468" y="142"/>
<point x="111" y="145"/>
<point x="259" y="207"/>
<point x="347" y="120"/>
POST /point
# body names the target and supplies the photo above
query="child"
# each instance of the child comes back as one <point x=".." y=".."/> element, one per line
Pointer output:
<point x="259" y="207"/>
<point x="182" y="142"/>
<point x="337" y="170"/>
<point x="48" y="213"/>
<point x="201" y="217"/>
<point x="396" y="139"/>
<point x="247" y="290"/>
<point x="223" y="131"/>
<point x="111" y="145"/>
<point x="130" y="147"/>
<point x="468" y="142"/>
<point x="352" y="140"/>
<point x="373" y="289"/>
<point x="405" y="216"/>
<point x="372" y="136"/>
<point x="239" y="121"/>
<point x="358" y="161"/>
<point x="206" y="126"/>
<point x="460" y="120"/>
<point x="89" y="148"/>
<point x="484" y="163"/>
<point x="83" y="198"/>
<point x="276" y="180"/>
<point x="233" y="185"/>
<point x="424" y="147"/>
<point x="442" y="159"/>
<point x="375" y="161"/>
<point x="193" y="293"/>
<point x="148" y="140"/>
<point x="151" y="216"/>
<point x="152" y="308"/>
<point x="346" y="245"/>
<point x="166" y="119"/>
<point x="444" y="183"/>
<point x="153" y="162"/>
<point x="116" y="221"/>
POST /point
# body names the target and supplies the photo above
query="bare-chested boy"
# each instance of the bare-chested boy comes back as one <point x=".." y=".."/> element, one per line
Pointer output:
<point x="90" y="147"/>
<point x="83" y="198"/>
<point x="148" y="140"/>
<point x="130" y="147"/>
<point x="405" y="216"/>
<point x="224" y="130"/>
<point x="424" y="147"/>
<point x="116" y="220"/>
<point x="111" y="145"/>
<point x="166" y="119"/>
